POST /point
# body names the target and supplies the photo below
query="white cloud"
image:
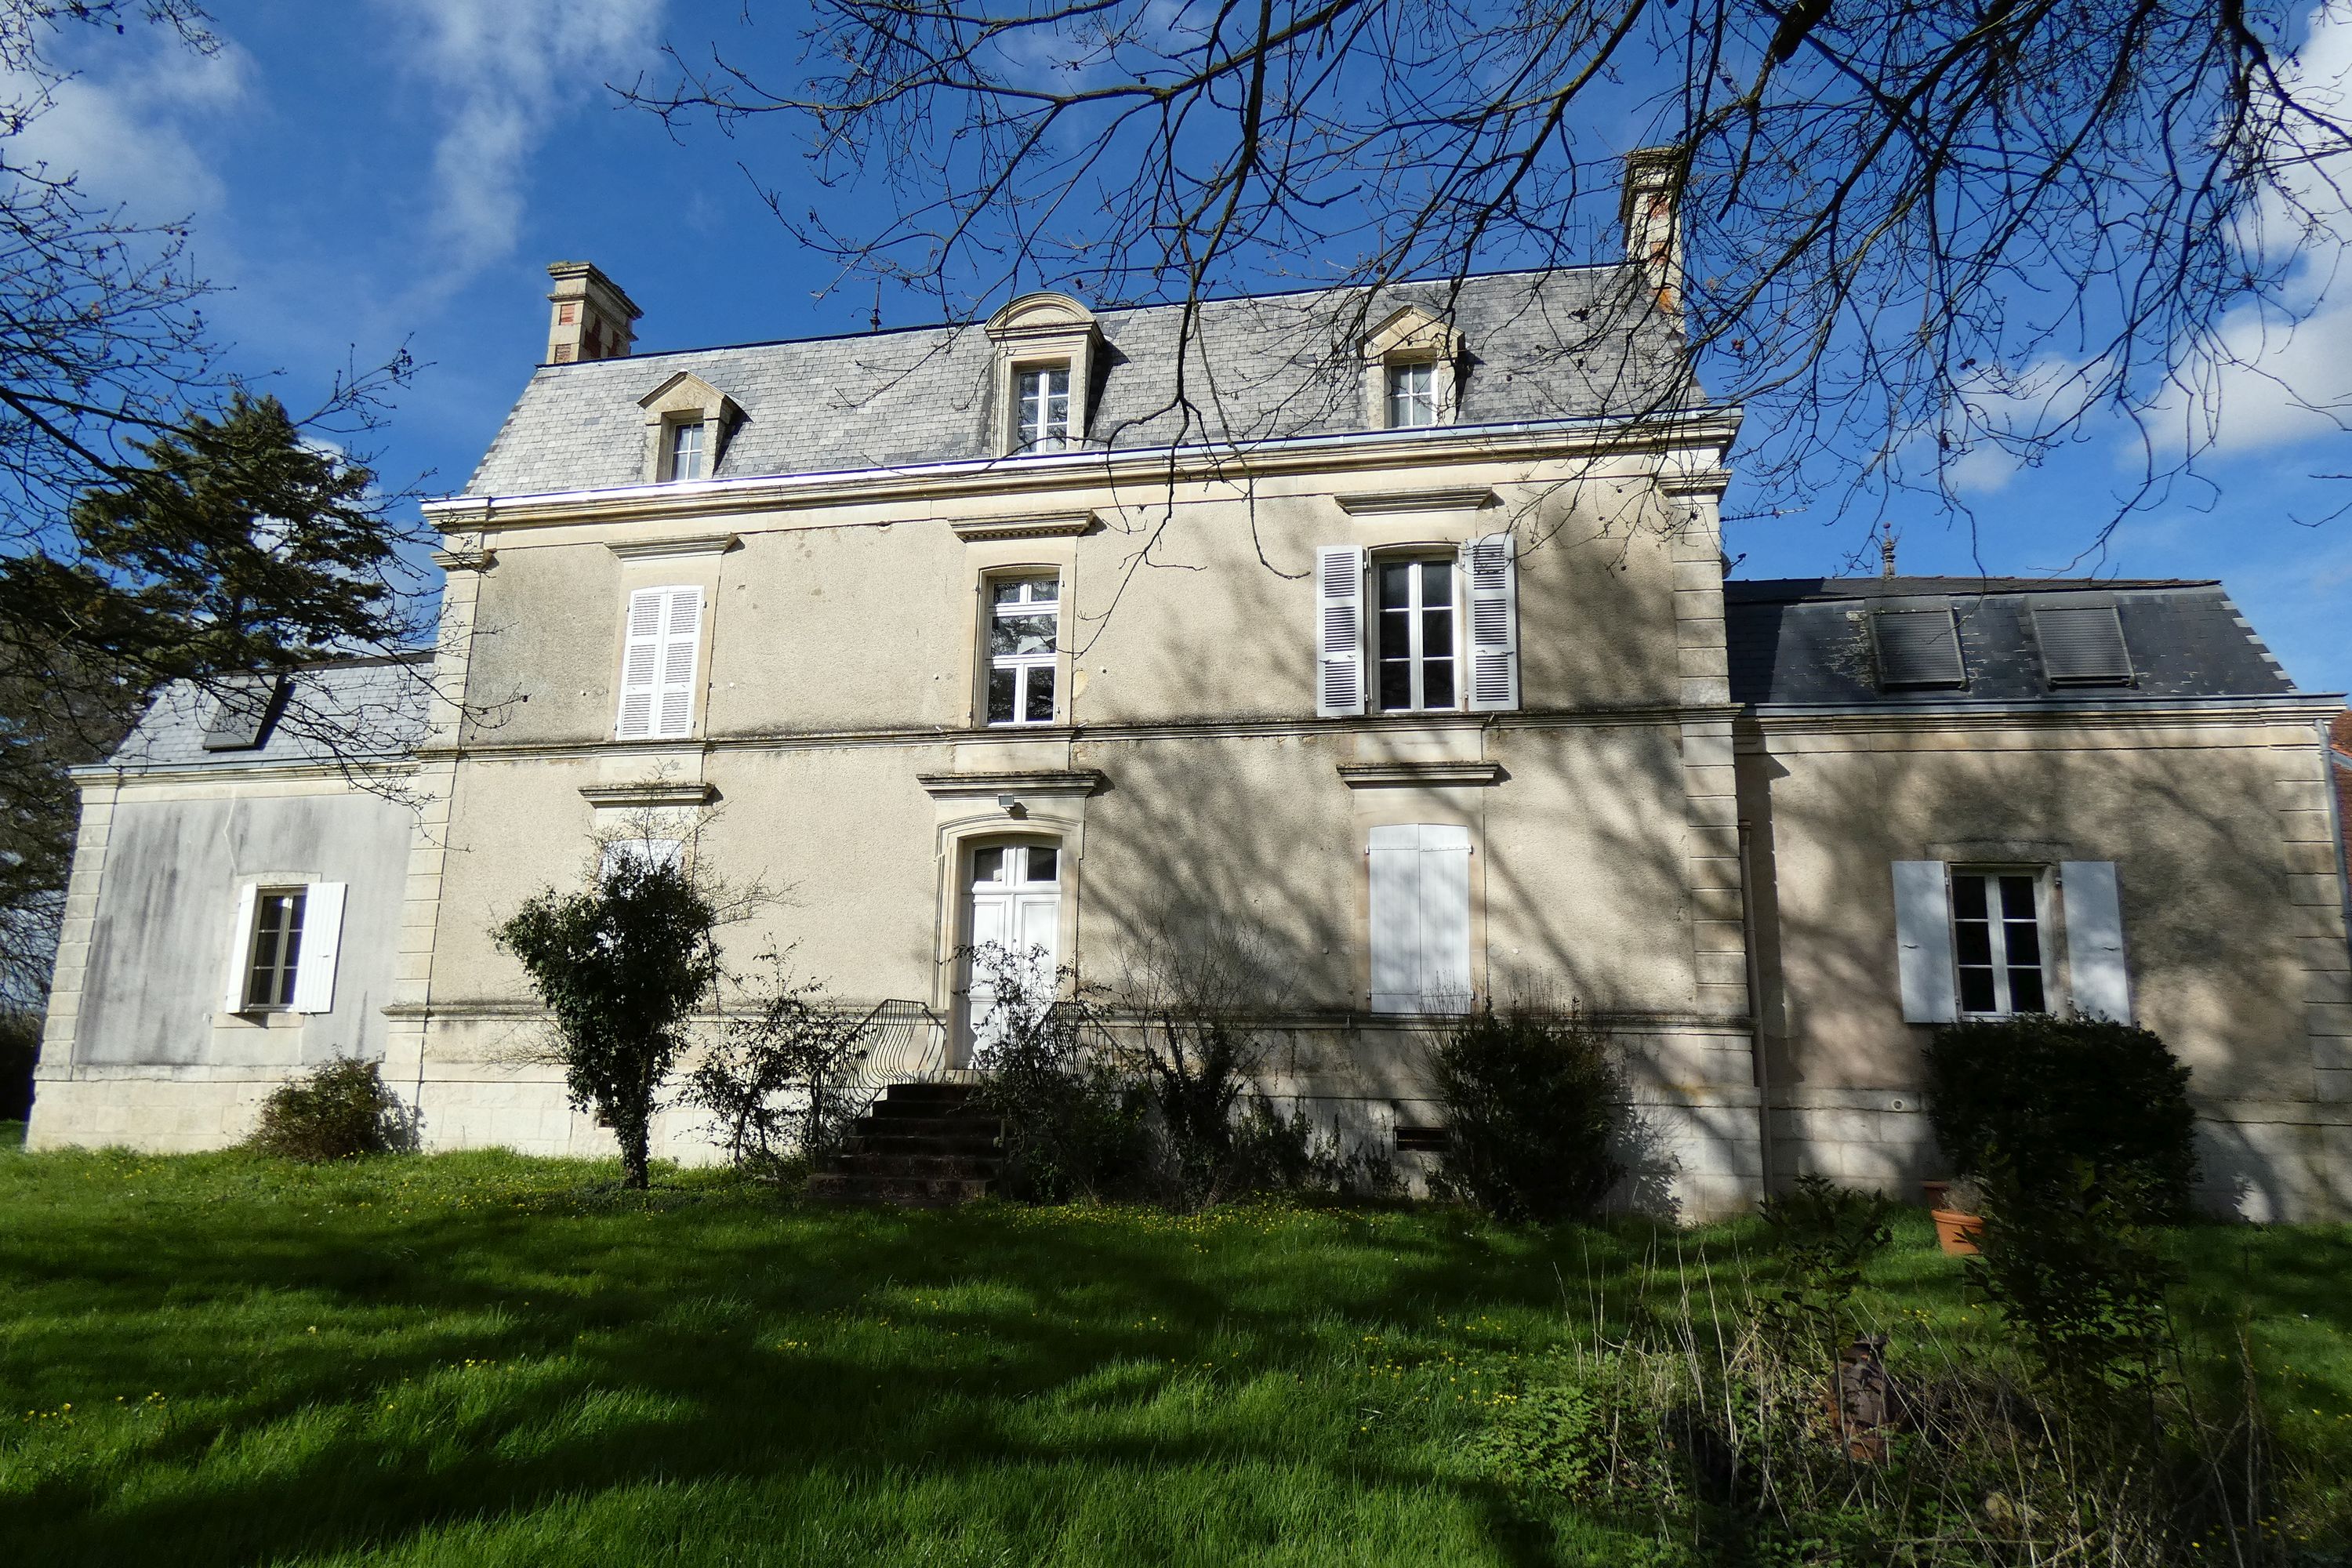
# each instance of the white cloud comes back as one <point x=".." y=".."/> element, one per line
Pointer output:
<point x="126" y="127"/>
<point x="504" y="73"/>
<point x="2285" y="376"/>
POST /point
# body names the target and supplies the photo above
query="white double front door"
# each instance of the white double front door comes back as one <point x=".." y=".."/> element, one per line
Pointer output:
<point x="1014" y="904"/>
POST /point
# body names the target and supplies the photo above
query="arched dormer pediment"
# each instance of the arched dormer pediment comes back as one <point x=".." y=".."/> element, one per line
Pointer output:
<point x="1044" y="311"/>
<point x="1412" y="373"/>
<point x="685" y="403"/>
<point x="1046" y="347"/>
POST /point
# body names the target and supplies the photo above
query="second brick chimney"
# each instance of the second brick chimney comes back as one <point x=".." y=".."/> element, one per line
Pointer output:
<point x="1652" y="211"/>
<point x="590" y="318"/>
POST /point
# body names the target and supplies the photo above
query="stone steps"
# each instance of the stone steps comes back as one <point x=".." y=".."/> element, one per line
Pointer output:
<point x="920" y="1145"/>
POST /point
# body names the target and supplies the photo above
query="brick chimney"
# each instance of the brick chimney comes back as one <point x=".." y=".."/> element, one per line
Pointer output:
<point x="1652" y="211"/>
<point x="590" y="318"/>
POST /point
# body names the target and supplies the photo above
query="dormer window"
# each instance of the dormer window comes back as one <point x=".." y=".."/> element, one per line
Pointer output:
<point x="1046" y="349"/>
<point x="1413" y="396"/>
<point x="1412" y="372"/>
<point x="685" y="439"/>
<point x="1044" y="409"/>
<point x="687" y="422"/>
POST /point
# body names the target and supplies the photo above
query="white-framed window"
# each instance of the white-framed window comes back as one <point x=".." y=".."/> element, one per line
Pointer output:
<point x="287" y="938"/>
<point x="1431" y="614"/>
<point x="661" y="645"/>
<point x="1997" y="951"/>
<point x="1013" y="904"/>
<point x="1412" y="393"/>
<point x="1023" y="631"/>
<point x="1977" y="942"/>
<point x="1420" y="908"/>
<point x="272" y="951"/>
<point x="1418" y="664"/>
<point x="686" y="451"/>
<point x="1042" y="396"/>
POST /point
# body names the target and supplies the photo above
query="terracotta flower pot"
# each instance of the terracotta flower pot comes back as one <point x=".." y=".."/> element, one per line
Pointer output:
<point x="1956" y="1232"/>
<point x="1934" y="1193"/>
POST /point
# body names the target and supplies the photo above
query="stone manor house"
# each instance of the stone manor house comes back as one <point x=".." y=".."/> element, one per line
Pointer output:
<point x="1390" y="630"/>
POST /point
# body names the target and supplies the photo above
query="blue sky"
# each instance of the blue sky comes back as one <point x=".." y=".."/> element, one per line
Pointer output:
<point x="377" y="172"/>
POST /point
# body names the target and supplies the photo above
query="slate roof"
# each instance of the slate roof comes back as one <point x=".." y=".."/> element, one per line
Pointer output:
<point x="354" y="712"/>
<point x="1807" y="640"/>
<point x="1573" y="342"/>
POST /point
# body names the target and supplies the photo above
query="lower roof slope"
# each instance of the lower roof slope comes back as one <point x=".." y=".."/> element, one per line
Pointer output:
<point x="1809" y="641"/>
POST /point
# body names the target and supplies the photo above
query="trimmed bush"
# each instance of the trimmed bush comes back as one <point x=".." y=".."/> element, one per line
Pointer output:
<point x="339" y="1112"/>
<point x="2035" y="1095"/>
<point x="1534" y="1111"/>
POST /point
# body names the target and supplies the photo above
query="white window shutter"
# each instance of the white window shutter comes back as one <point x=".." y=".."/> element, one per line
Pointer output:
<point x="240" y="948"/>
<point x="1420" y="918"/>
<point x="1444" y="919"/>
<point x="641" y="664"/>
<point x="323" y="940"/>
<point x="1922" y="942"/>
<point x="1494" y="623"/>
<point x="681" y="640"/>
<point x="657" y="664"/>
<point x="1340" y="631"/>
<point x="1395" y="860"/>
<point x="2096" y="974"/>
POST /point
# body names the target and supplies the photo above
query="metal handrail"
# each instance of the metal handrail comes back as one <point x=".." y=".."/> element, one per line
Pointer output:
<point x="907" y="1043"/>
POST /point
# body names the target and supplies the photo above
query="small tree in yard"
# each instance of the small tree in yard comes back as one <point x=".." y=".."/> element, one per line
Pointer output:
<point x="622" y="963"/>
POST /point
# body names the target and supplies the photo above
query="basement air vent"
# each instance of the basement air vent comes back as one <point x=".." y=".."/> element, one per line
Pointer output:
<point x="1917" y="648"/>
<point x="1420" y="1140"/>
<point x="237" y="716"/>
<point x="2081" y="645"/>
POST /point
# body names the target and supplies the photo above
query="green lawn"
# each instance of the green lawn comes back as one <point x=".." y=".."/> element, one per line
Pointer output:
<point x="480" y="1359"/>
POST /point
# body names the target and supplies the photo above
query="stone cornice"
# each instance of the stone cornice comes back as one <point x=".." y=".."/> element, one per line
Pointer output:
<point x="1048" y="782"/>
<point x="652" y="793"/>
<point x="1029" y="525"/>
<point x="685" y="547"/>
<point x="1211" y="729"/>
<point x="1418" y="774"/>
<point x="1706" y="429"/>
<point x="98" y="774"/>
<point x="1390" y="503"/>
<point x="1848" y="719"/>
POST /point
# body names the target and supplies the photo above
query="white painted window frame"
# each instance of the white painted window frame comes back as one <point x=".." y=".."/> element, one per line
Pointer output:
<point x="1405" y="399"/>
<point x="317" y="954"/>
<point x="1376" y="631"/>
<point x="1022" y="666"/>
<point x="1047" y="435"/>
<point x="2004" y="1003"/>
<point x="678" y="433"/>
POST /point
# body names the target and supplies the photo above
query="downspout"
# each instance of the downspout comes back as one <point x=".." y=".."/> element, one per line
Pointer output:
<point x="1756" y="1052"/>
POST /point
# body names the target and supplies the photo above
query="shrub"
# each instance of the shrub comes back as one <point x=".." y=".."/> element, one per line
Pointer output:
<point x="2074" y="1272"/>
<point x="1533" y="1108"/>
<point x="781" y="1081"/>
<point x="341" y="1111"/>
<point x="2040" y="1094"/>
<point x="1823" y="1235"/>
<point x="1073" y="1126"/>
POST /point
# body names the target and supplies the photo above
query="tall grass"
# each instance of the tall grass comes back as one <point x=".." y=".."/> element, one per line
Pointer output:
<point x="479" y="1359"/>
